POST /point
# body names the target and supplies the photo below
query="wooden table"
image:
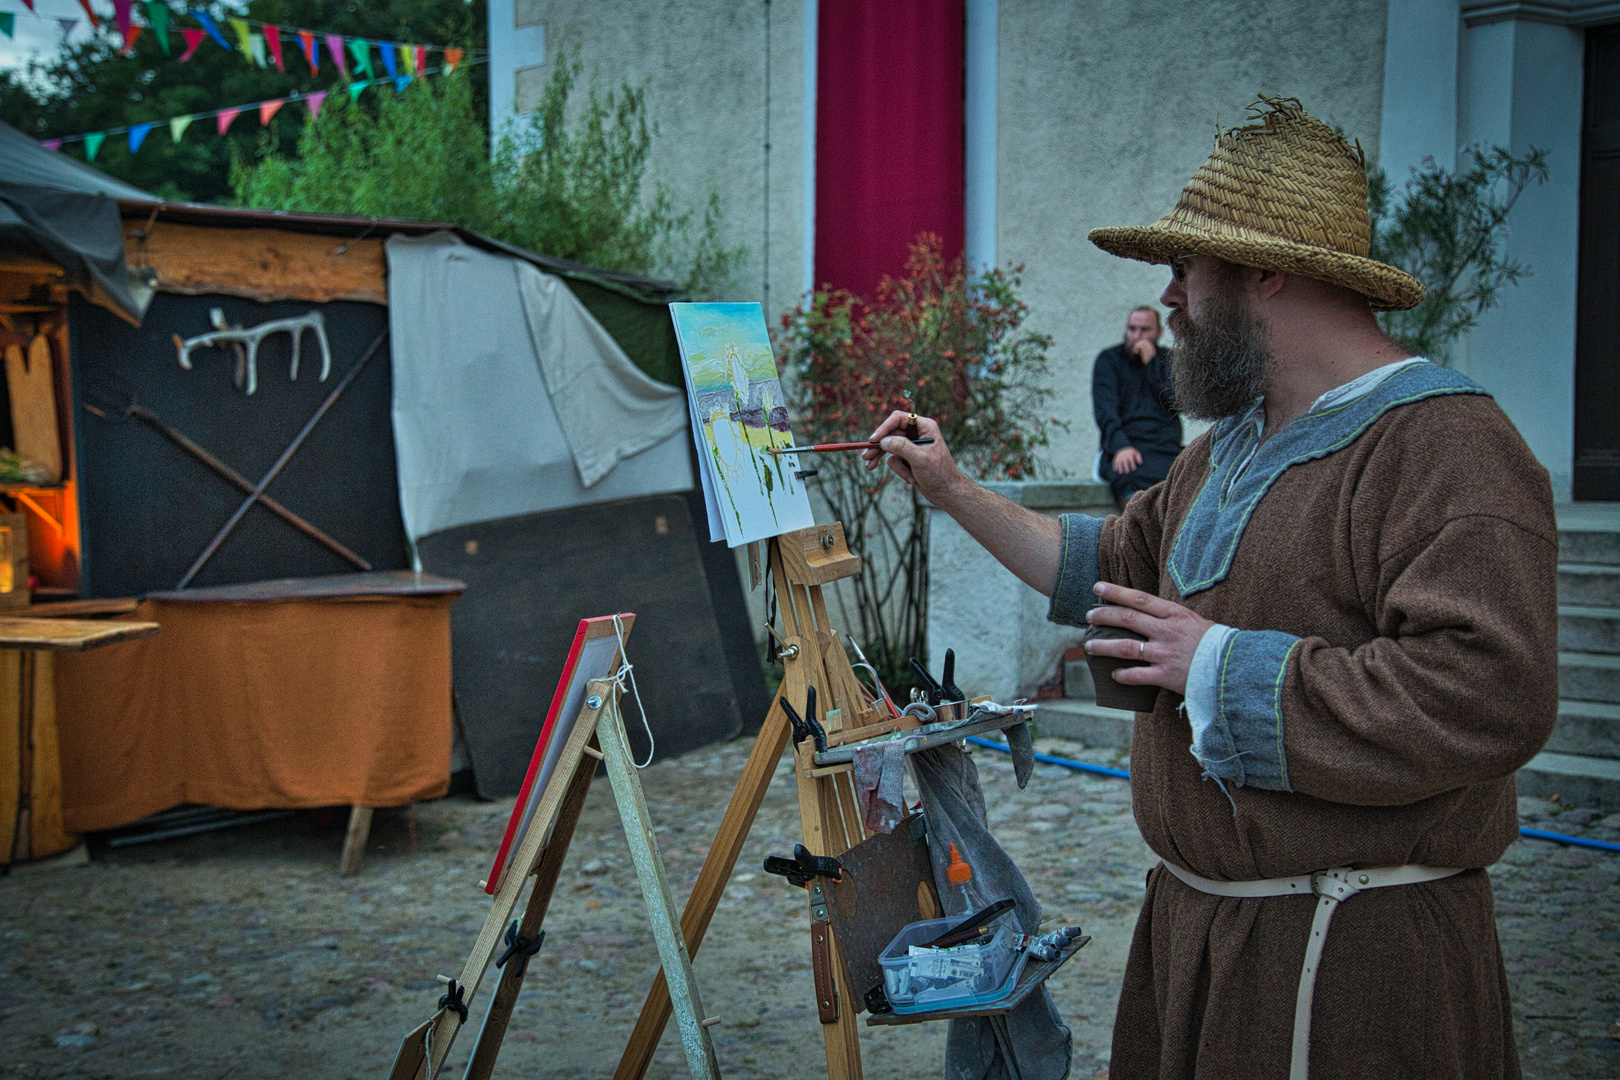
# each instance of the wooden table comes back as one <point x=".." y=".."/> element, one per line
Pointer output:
<point x="28" y="707"/>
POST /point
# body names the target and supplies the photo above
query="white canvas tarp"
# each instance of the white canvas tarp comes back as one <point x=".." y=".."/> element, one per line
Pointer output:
<point x="509" y="398"/>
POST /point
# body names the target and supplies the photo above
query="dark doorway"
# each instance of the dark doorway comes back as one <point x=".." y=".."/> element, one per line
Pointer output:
<point x="1597" y="320"/>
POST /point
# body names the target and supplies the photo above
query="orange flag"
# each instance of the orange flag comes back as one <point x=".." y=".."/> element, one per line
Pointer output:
<point x="267" y="109"/>
<point x="130" y="35"/>
<point x="452" y="57"/>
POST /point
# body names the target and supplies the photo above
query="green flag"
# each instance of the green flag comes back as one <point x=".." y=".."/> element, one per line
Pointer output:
<point x="361" y="49"/>
<point x="157" y="13"/>
<point x="92" y="144"/>
<point x="355" y="88"/>
<point x="177" y="127"/>
<point x="8" y="23"/>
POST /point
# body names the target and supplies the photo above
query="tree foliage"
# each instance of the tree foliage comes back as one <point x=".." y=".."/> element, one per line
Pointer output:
<point x="91" y="87"/>
<point x="936" y="343"/>
<point x="1448" y="229"/>
<point x="572" y="181"/>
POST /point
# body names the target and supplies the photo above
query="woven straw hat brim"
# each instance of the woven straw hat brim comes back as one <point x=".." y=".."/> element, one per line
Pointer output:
<point x="1386" y="287"/>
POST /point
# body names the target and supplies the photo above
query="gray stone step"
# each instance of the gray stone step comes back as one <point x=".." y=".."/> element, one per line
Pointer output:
<point x="1589" y="533"/>
<point x="1588" y="629"/>
<point x="1588" y="677"/>
<point x="1591" y="584"/>
<point x="1576" y="780"/>
<point x="1590" y="728"/>
<point x="1085" y="722"/>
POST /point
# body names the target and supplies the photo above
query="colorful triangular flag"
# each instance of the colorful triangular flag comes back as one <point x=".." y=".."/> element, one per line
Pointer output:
<point x="121" y="14"/>
<point x="334" y="46"/>
<point x="272" y="38"/>
<point x="212" y="27"/>
<point x="315" y="101"/>
<point x="226" y="116"/>
<point x="390" y="65"/>
<point x="67" y="26"/>
<point x="355" y="88"/>
<point x="137" y="135"/>
<point x="421" y="58"/>
<point x="30" y="4"/>
<point x="256" y="48"/>
<point x="92" y="144"/>
<point x="52" y="144"/>
<point x="267" y="109"/>
<point x="193" y="38"/>
<point x="312" y="51"/>
<point x="452" y="57"/>
<point x="8" y="24"/>
<point x="240" y="26"/>
<point x="157" y="13"/>
<point x="406" y="53"/>
<point x="401" y="82"/>
<point x="95" y="23"/>
<point x="129" y="39"/>
<point x="361" y="48"/>
<point x="177" y="127"/>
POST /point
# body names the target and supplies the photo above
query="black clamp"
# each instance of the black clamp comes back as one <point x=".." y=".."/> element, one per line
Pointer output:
<point x="877" y="1001"/>
<point x="808" y="726"/>
<point x="520" y="947"/>
<point x="804" y="867"/>
<point x="455" y="999"/>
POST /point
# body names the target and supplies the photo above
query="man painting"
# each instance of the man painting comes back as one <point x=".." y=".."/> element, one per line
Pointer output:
<point x="1345" y="591"/>
<point x="1130" y="397"/>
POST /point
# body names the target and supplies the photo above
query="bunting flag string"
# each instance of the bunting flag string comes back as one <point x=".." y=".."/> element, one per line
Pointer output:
<point x="224" y="118"/>
<point x="8" y="24"/>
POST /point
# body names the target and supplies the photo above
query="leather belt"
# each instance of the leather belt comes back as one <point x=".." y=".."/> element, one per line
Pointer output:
<point x="1331" y="887"/>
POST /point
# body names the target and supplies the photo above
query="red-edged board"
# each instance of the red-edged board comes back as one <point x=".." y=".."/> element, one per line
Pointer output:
<point x="594" y="655"/>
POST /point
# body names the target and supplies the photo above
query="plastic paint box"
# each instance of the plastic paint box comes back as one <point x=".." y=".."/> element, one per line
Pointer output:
<point x="966" y="975"/>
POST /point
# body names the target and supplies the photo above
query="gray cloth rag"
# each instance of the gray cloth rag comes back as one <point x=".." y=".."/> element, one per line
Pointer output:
<point x="953" y="804"/>
<point x="880" y="773"/>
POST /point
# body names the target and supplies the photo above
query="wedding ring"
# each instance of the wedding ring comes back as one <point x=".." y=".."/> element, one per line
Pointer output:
<point x="1141" y="650"/>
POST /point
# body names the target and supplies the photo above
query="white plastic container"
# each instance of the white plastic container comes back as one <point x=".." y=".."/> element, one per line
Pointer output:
<point x="926" y="980"/>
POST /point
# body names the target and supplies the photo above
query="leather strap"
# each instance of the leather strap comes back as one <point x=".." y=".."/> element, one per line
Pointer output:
<point x="821" y="967"/>
<point x="1331" y="887"/>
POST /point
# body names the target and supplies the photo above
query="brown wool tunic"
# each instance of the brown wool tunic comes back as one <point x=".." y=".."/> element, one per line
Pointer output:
<point x="1419" y="565"/>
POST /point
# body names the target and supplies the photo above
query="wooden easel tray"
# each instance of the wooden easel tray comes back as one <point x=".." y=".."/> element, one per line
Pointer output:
<point x="930" y="735"/>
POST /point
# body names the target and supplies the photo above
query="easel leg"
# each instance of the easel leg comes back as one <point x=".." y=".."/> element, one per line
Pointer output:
<point x="354" y="843"/>
<point x="711" y="884"/>
<point x="490" y="1036"/>
<point x="672" y="953"/>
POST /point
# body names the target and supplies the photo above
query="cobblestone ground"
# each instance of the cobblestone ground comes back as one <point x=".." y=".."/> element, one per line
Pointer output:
<point x="243" y="955"/>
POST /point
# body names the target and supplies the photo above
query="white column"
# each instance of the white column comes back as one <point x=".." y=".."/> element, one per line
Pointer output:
<point x="511" y="48"/>
<point x="979" y="122"/>
<point x="1419" y="119"/>
<point x="812" y="15"/>
<point x="1522" y="88"/>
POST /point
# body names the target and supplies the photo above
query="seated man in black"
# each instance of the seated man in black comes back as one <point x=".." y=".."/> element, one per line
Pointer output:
<point x="1130" y="395"/>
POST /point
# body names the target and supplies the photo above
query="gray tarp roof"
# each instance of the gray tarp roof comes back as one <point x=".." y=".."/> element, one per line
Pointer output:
<point x="67" y="212"/>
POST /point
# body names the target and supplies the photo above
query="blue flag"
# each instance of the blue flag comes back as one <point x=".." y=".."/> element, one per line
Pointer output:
<point x="212" y="27"/>
<point x="137" y="135"/>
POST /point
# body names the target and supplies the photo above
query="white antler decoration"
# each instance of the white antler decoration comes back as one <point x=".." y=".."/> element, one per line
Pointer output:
<point x="247" y="371"/>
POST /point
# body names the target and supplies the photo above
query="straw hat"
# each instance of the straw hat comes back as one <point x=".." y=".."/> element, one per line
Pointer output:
<point x="1287" y="193"/>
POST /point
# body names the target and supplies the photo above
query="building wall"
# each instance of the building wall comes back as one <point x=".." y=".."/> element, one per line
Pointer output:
<point x="704" y="68"/>
<point x="1107" y="108"/>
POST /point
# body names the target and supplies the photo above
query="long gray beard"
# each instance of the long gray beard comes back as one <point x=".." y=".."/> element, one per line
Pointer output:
<point x="1223" y="363"/>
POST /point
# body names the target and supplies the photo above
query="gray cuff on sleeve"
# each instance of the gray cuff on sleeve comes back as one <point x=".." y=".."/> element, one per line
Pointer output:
<point x="1077" y="570"/>
<point x="1244" y="744"/>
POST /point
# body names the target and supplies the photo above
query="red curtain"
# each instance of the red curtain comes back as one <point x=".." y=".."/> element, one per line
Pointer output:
<point x="888" y="135"/>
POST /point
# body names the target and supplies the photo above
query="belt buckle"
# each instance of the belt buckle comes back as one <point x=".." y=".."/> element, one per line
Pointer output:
<point x="1339" y="877"/>
<point x="1317" y="877"/>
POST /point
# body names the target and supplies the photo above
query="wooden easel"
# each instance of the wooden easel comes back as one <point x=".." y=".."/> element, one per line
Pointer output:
<point x="801" y="563"/>
<point x="597" y="735"/>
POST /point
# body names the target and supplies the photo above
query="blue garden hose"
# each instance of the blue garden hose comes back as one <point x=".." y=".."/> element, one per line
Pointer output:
<point x="1103" y="770"/>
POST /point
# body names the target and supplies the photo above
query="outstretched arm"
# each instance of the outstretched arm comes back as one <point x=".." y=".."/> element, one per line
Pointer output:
<point x="1027" y="543"/>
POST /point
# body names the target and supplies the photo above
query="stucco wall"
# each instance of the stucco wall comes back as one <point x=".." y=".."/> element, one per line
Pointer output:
<point x="703" y="64"/>
<point x="1105" y="111"/>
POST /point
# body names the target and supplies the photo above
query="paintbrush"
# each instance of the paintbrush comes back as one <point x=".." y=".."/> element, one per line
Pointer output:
<point x="828" y="447"/>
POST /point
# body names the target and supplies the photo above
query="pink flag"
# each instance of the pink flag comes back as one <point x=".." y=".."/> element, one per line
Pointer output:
<point x="121" y="12"/>
<point x="334" y="45"/>
<point x="315" y="101"/>
<point x="51" y="144"/>
<point x="225" y="118"/>
<point x="267" y="109"/>
<point x="272" y="38"/>
<point x="193" y="38"/>
<point x="30" y="4"/>
<point x="421" y="58"/>
<point x="312" y="51"/>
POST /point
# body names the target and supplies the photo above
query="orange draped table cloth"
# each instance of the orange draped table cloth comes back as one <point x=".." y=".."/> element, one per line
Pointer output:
<point x="283" y="694"/>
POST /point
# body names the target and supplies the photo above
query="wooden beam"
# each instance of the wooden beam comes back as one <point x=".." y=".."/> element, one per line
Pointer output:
<point x="261" y="264"/>
<point x="354" y="841"/>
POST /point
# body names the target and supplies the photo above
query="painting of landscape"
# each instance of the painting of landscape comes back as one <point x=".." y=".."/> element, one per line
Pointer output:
<point x="738" y="414"/>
